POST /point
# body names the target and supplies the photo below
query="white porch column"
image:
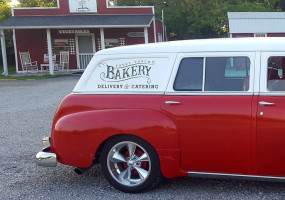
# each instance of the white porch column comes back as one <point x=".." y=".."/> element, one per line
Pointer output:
<point x="154" y="30"/>
<point x="4" y="54"/>
<point x="145" y="35"/>
<point x="51" y="69"/>
<point x="15" y="50"/>
<point x="102" y="38"/>
<point x="163" y="28"/>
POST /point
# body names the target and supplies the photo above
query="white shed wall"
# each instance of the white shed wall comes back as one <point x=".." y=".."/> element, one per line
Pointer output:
<point x="256" y="22"/>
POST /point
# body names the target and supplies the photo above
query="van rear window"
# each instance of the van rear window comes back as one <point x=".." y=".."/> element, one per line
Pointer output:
<point x="213" y="74"/>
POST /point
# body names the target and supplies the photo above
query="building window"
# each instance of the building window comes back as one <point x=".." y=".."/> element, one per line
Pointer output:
<point x="160" y="39"/>
<point x="59" y="45"/>
<point x="112" y="2"/>
<point x="109" y="43"/>
<point x="260" y="35"/>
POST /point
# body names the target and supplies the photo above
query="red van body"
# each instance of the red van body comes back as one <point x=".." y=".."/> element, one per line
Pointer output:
<point x="193" y="108"/>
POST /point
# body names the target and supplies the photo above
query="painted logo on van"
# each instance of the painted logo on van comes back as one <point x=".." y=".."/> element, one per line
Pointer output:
<point x="127" y="71"/>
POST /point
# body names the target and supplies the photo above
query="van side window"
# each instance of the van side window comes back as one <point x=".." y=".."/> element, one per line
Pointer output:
<point x="237" y="67"/>
<point x="221" y="74"/>
<point x="190" y="75"/>
<point x="276" y="73"/>
<point x="227" y="74"/>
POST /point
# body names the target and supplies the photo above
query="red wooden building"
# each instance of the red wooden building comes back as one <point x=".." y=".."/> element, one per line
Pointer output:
<point x="81" y="27"/>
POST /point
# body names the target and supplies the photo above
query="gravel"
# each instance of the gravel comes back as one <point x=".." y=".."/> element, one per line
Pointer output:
<point x="26" y="113"/>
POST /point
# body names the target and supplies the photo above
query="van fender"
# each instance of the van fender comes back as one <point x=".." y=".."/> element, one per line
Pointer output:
<point x="76" y="137"/>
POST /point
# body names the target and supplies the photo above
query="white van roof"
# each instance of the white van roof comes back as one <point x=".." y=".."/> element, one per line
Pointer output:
<point x="204" y="45"/>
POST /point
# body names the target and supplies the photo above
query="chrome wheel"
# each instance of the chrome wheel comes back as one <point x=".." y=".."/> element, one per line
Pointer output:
<point x="129" y="163"/>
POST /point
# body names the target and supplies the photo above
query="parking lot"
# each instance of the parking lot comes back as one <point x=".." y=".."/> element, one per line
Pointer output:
<point x="26" y="113"/>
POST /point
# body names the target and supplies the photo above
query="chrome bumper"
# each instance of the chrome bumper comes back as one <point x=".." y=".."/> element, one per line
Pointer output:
<point x="44" y="158"/>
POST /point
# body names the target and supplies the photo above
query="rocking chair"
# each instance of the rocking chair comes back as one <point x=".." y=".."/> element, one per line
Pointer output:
<point x="27" y="64"/>
<point x="63" y="60"/>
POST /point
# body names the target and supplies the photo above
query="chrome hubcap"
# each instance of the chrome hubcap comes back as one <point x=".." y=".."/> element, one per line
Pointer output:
<point x="129" y="163"/>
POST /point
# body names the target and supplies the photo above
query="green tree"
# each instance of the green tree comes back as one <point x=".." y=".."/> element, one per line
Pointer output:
<point x="5" y="10"/>
<point x="208" y="19"/>
<point x="187" y="19"/>
<point x="278" y="5"/>
<point x="37" y="3"/>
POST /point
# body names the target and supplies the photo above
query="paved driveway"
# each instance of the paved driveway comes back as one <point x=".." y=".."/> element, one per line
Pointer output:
<point x="26" y="113"/>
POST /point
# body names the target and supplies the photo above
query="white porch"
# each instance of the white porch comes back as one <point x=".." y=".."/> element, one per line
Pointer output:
<point x="50" y="23"/>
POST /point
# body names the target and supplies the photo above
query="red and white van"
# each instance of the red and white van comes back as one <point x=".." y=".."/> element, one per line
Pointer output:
<point x="189" y="108"/>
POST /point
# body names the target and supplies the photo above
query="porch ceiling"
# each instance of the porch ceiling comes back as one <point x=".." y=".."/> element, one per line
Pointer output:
<point x="76" y="21"/>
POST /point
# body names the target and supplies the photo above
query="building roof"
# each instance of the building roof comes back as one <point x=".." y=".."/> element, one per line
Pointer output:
<point x="256" y="22"/>
<point x="256" y="15"/>
<point x="76" y="21"/>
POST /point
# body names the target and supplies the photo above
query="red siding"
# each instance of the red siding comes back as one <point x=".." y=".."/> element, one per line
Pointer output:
<point x="33" y="41"/>
<point x="243" y="35"/>
<point x="122" y="33"/>
<point x="101" y="7"/>
<point x="125" y="11"/>
<point x="276" y="35"/>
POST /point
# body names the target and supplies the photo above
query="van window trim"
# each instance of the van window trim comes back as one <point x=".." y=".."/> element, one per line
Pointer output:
<point x="263" y="90"/>
<point x="252" y="55"/>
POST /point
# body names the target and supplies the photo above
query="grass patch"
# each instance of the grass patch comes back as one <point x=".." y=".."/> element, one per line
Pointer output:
<point x="12" y="75"/>
<point x="30" y="77"/>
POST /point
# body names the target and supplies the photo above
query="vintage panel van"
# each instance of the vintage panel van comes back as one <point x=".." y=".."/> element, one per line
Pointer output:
<point x="212" y="107"/>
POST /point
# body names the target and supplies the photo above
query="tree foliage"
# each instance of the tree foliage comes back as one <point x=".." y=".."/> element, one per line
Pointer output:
<point x="37" y="3"/>
<point x="5" y="10"/>
<point x="187" y="19"/>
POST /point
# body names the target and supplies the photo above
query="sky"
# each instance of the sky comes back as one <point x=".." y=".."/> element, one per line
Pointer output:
<point x="14" y="2"/>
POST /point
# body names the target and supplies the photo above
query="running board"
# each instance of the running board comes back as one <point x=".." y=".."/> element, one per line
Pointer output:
<point x="235" y="176"/>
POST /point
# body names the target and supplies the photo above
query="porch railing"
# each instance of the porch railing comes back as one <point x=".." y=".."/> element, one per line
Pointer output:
<point x="84" y="59"/>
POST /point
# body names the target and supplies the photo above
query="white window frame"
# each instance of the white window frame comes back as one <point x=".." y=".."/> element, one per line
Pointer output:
<point x="263" y="73"/>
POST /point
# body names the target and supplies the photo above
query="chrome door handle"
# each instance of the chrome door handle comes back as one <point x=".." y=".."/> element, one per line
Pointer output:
<point x="172" y="102"/>
<point x="263" y="103"/>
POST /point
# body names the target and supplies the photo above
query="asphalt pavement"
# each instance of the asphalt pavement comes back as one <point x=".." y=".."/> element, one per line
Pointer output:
<point x="26" y="112"/>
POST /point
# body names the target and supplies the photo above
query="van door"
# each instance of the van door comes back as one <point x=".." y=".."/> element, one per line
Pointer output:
<point x="271" y="115"/>
<point x="210" y="97"/>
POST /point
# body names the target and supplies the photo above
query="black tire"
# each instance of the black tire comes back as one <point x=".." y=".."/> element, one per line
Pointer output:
<point x="133" y="175"/>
